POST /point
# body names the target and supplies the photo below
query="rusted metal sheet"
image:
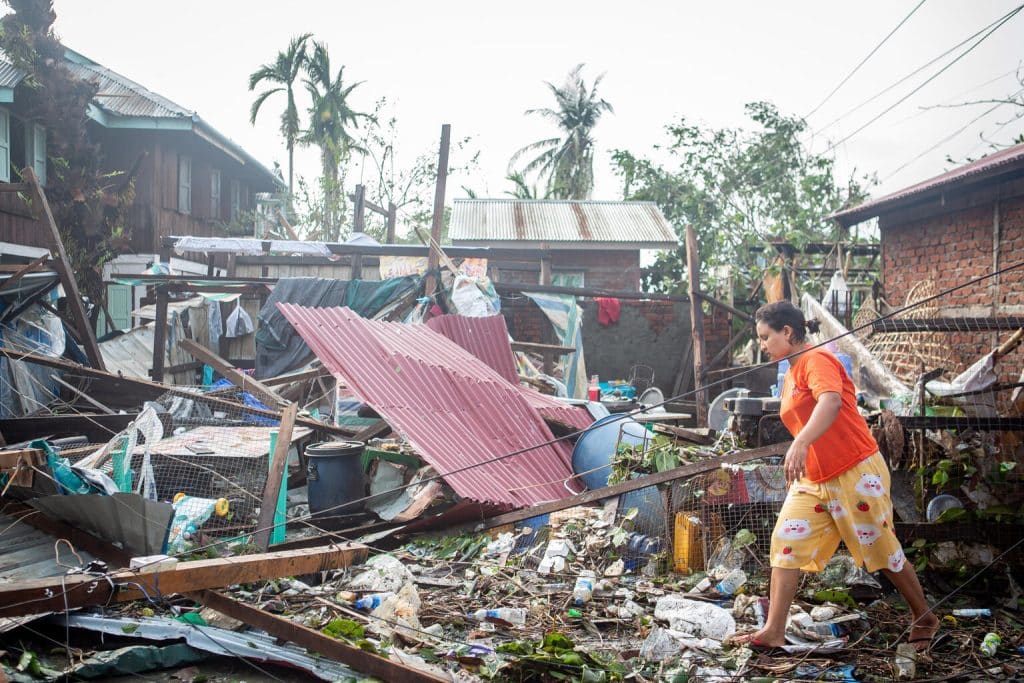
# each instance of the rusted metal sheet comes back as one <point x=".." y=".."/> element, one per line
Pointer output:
<point x="639" y="224"/>
<point x="454" y="409"/>
<point x="992" y="164"/>
<point x="122" y="96"/>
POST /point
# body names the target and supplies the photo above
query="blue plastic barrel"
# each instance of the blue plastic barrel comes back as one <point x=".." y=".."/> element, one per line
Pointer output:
<point x="334" y="476"/>
<point x="596" y="447"/>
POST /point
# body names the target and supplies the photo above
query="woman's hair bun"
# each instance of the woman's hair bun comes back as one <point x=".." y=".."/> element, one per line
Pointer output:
<point x="812" y="325"/>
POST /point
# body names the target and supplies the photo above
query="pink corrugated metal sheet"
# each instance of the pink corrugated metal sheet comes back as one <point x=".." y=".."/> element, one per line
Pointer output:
<point x="454" y="409"/>
<point x="485" y="337"/>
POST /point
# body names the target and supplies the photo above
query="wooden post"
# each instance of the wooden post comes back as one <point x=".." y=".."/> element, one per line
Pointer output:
<point x="696" y="325"/>
<point x="358" y="225"/>
<point x="160" y="334"/>
<point x="434" y="257"/>
<point x="272" y="488"/>
<point x="392" y="219"/>
<point x="545" y="270"/>
<point x="67" y="275"/>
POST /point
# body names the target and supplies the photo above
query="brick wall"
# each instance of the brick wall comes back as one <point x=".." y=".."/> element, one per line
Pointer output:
<point x="952" y="248"/>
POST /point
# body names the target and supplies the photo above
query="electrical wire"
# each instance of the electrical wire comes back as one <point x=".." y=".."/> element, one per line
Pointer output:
<point x="863" y="61"/>
<point x="916" y="71"/>
<point x="931" y="78"/>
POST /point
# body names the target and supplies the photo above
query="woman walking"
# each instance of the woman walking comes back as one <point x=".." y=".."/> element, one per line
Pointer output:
<point x="838" y="481"/>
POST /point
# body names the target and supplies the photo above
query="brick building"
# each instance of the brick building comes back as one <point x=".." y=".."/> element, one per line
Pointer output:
<point x="593" y="244"/>
<point x="950" y="229"/>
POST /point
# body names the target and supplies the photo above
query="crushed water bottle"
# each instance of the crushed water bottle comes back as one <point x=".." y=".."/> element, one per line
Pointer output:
<point x="732" y="582"/>
<point x="979" y="612"/>
<point x="513" y="615"/>
<point x="990" y="644"/>
<point x="372" y="602"/>
<point x="583" y="591"/>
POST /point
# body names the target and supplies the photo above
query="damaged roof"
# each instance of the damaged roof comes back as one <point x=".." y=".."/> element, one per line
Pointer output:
<point x="455" y="410"/>
<point x="638" y="225"/>
<point x="998" y="163"/>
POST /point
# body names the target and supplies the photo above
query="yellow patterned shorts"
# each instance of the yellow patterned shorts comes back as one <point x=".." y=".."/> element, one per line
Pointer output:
<point x="854" y="507"/>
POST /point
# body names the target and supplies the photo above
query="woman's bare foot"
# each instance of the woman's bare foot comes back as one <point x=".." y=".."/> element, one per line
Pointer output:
<point x="760" y="638"/>
<point x="922" y="631"/>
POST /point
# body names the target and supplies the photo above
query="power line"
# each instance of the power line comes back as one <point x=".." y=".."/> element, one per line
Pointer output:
<point x="928" y="80"/>
<point x="951" y="135"/>
<point x="916" y="71"/>
<point x="863" y="61"/>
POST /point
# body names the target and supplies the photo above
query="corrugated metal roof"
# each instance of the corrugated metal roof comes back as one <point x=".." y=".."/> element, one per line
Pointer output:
<point x="540" y="220"/>
<point x="455" y="410"/>
<point x="993" y="164"/>
<point x="124" y="97"/>
<point x="10" y="75"/>
<point x="485" y="337"/>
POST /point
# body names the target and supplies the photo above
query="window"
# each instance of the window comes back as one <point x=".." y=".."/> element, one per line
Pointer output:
<point x="5" y="146"/>
<point x="214" y="194"/>
<point x="184" y="184"/>
<point x="567" y="278"/>
<point x="36" y="152"/>
<point x="236" y="200"/>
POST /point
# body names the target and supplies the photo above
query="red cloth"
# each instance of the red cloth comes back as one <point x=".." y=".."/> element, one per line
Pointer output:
<point x="607" y="310"/>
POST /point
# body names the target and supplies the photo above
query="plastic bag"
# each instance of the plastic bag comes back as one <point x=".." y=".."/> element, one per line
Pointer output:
<point x="838" y="290"/>
<point x="239" y="322"/>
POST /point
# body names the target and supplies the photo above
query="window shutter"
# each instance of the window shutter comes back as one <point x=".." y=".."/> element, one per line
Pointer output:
<point x="5" y="146"/>
<point x="236" y="200"/>
<point x="39" y="152"/>
<point x="184" y="184"/>
<point x="215" y="194"/>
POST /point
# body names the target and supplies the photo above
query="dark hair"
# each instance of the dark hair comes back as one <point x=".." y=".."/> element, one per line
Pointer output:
<point x="782" y="313"/>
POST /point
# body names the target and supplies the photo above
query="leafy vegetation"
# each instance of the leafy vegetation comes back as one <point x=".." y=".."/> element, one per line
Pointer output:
<point x="738" y="189"/>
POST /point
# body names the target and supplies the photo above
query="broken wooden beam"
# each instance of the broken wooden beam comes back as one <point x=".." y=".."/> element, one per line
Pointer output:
<point x="696" y="326"/>
<point x="272" y="489"/>
<point x="712" y="463"/>
<point x="23" y="271"/>
<point x="82" y="590"/>
<point x="67" y="274"/>
<point x="231" y="373"/>
<point x="314" y="641"/>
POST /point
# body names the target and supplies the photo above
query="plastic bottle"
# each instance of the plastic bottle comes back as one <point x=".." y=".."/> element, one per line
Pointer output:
<point x="513" y="615"/>
<point x="593" y="390"/>
<point x="990" y="644"/>
<point x="732" y="582"/>
<point x="584" y="588"/>
<point x="372" y="602"/>
<point x="980" y="612"/>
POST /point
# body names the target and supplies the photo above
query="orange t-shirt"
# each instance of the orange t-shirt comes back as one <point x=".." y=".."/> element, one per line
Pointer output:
<point x="847" y="441"/>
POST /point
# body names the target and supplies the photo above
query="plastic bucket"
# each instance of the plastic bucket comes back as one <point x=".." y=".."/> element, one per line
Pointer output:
<point x="334" y="476"/>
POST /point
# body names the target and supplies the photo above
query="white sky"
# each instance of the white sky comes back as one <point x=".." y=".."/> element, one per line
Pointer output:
<point x="479" y="65"/>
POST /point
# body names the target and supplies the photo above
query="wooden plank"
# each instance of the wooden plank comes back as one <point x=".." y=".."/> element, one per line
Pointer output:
<point x="272" y="489"/>
<point x="696" y="325"/>
<point x="712" y="463"/>
<point x="68" y="592"/>
<point x="23" y="271"/>
<point x="533" y="346"/>
<point x="15" y="187"/>
<point x="300" y="376"/>
<point x="78" y="392"/>
<point x="232" y="374"/>
<point x="159" y="335"/>
<point x="314" y="641"/>
<point x="378" y="428"/>
<point x="155" y="389"/>
<point x="63" y="268"/>
<point x="434" y="255"/>
<point x="726" y="307"/>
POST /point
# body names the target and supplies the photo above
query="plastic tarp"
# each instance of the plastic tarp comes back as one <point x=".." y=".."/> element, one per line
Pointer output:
<point x="279" y="349"/>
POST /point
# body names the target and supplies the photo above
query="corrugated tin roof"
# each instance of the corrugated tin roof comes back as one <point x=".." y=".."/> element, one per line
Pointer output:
<point x="122" y="96"/>
<point x="10" y="75"/>
<point x="993" y="164"/>
<point x="540" y="220"/>
<point x="478" y="336"/>
<point x="455" y="410"/>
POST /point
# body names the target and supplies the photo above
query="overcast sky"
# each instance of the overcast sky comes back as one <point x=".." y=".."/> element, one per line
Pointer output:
<point x="479" y="65"/>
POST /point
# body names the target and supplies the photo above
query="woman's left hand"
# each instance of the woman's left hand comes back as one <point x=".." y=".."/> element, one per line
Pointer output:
<point x="795" y="464"/>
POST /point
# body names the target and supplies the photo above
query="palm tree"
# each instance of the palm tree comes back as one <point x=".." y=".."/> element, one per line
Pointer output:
<point x="567" y="162"/>
<point x="281" y="75"/>
<point x="330" y="118"/>
<point x="522" y="189"/>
